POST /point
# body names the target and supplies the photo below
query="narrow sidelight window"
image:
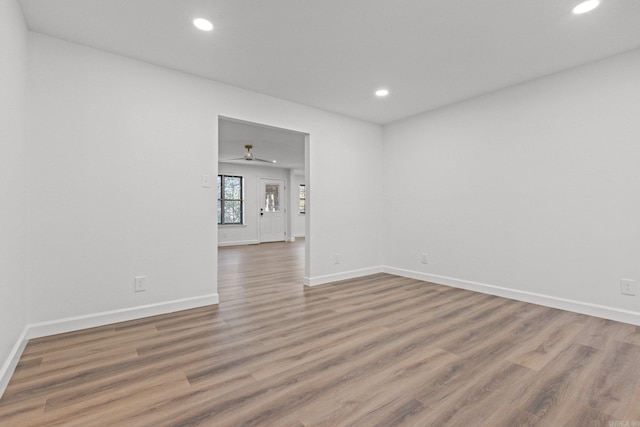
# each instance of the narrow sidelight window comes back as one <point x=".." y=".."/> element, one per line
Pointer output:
<point x="303" y="199"/>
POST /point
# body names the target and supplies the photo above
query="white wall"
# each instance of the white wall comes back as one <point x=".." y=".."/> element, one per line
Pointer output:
<point x="118" y="151"/>
<point x="534" y="189"/>
<point x="249" y="232"/>
<point x="13" y="191"/>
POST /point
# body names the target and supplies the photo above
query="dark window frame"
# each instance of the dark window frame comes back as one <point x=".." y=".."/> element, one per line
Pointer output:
<point x="223" y="200"/>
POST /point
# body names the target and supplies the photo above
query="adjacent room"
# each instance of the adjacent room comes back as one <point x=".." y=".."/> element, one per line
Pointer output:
<point x="261" y="174"/>
<point x="334" y="213"/>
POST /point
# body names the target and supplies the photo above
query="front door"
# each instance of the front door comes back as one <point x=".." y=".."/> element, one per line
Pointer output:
<point x="272" y="210"/>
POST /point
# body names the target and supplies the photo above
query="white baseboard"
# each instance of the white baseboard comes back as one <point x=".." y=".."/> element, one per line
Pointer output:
<point x="353" y="274"/>
<point x="606" y="312"/>
<point x="239" y="243"/>
<point x="10" y="364"/>
<point x="77" y="323"/>
<point x="299" y="235"/>
<point x="37" y="330"/>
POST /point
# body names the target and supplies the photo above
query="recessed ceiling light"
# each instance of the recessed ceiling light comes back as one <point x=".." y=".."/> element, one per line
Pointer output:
<point x="586" y="6"/>
<point x="382" y="92"/>
<point x="203" y="24"/>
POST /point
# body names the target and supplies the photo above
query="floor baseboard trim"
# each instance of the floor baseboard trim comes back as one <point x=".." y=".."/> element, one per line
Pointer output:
<point x="353" y="274"/>
<point x="37" y="330"/>
<point x="10" y="364"/>
<point x="239" y="243"/>
<point x="606" y="312"/>
<point x="70" y="324"/>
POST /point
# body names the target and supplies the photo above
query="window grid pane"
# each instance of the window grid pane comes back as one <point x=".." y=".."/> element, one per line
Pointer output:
<point x="230" y="202"/>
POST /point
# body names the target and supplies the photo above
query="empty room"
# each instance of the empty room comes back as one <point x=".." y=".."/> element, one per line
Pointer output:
<point x="330" y="213"/>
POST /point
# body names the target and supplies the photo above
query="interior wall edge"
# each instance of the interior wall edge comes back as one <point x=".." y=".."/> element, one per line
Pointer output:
<point x="9" y="366"/>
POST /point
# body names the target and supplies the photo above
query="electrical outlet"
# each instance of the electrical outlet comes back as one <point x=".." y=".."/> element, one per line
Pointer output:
<point x="140" y="284"/>
<point x="336" y="258"/>
<point x="627" y="287"/>
<point x="423" y="258"/>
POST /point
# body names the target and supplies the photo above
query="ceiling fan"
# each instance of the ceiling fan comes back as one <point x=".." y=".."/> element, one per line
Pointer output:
<point x="249" y="156"/>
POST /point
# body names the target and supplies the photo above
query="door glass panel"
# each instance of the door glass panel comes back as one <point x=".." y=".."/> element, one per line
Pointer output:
<point x="272" y="198"/>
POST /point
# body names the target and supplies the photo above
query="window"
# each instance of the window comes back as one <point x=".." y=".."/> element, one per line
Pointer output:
<point x="230" y="202"/>
<point x="303" y="199"/>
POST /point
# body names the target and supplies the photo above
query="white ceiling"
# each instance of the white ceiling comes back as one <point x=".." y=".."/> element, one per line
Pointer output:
<point x="269" y="143"/>
<point x="333" y="54"/>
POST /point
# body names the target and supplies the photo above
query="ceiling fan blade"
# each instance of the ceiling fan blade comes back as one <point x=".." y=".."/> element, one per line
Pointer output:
<point x="263" y="160"/>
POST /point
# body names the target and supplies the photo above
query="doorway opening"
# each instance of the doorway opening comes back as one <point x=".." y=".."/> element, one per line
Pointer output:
<point x="268" y="198"/>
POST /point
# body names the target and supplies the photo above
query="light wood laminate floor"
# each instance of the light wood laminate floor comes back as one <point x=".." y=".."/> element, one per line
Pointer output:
<point x="375" y="351"/>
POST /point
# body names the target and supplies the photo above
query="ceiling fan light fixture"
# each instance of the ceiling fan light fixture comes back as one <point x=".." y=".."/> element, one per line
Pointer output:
<point x="248" y="156"/>
<point x="586" y="6"/>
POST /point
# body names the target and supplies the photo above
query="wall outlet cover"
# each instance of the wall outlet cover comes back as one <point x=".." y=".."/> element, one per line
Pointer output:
<point x="627" y="287"/>
<point x="140" y="284"/>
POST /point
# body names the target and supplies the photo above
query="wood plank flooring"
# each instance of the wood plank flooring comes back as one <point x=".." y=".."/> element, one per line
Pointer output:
<point x="374" y="351"/>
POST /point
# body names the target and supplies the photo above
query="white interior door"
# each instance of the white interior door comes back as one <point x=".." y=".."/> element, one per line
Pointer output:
<point x="272" y="206"/>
